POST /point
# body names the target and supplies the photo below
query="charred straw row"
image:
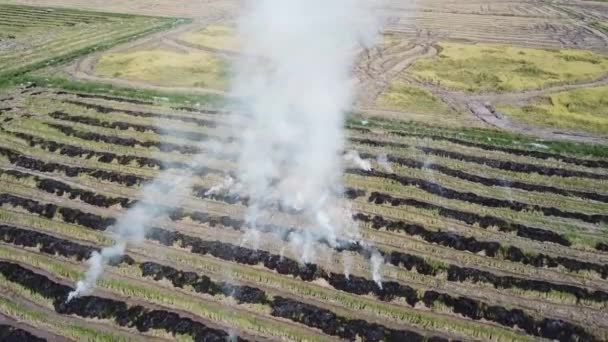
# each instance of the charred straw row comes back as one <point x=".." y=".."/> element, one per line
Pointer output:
<point x="513" y="166"/>
<point x="189" y="135"/>
<point x="114" y="140"/>
<point x="310" y="272"/>
<point x="436" y="189"/>
<point x="333" y="324"/>
<point x="491" y="249"/>
<point x="484" y="221"/>
<point x="396" y="258"/>
<point x="316" y="317"/>
<point x="307" y="314"/>
<point x="59" y="188"/>
<point x="514" y="151"/>
<point x="399" y="160"/>
<point x="413" y="262"/>
<point x="9" y="333"/>
<point x="134" y="316"/>
<point x="49" y="211"/>
<point x="493" y="163"/>
<point x="20" y="160"/>
<point x="106" y="97"/>
<point x="52" y="245"/>
<point x="106" y="110"/>
<point x="411" y="163"/>
<point x="103" y="157"/>
<point x="168" y="147"/>
<point x="470" y="308"/>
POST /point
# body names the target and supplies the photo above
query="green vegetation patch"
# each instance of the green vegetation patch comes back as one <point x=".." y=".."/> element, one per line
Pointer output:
<point x="34" y="38"/>
<point x="499" y="68"/>
<point x="583" y="109"/>
<point x="402" y="96"/>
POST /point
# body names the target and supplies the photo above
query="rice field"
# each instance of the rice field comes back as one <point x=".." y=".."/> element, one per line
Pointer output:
<point x="484" y="234"/>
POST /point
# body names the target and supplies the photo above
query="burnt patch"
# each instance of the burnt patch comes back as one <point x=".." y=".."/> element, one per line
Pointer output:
<point x="106" y="109"/>
<point x="18" y="159"/>
<point x="139" y="317"/>
<point x="514" y="151"/>
<point x="460" y="274"/>
<point x="202" y="283"/>
<point x="439" y="190"/>
<point x="9" y="333"/>
<point x="59" y="188"/>
<point x="332" y="324"/>
<point x="123" y="126"/>
<point x="512" y="166"/>
<point x="49" y="211"/>
<point x="491" y="249"/>
<point x="484" y="221"/>
<point x="106" y="97"/>
<point x="554" y="329"/>
<point x="102" y="157"/>
<point x="114" y="140"/>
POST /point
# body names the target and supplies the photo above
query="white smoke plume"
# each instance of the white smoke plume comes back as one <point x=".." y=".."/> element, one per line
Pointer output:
<point x="295" y="86"/>
<point x="131" y="226"/>
<point x="354" y="158"/>
<point x="382" y="160"/>
<point x="377" y="262"/>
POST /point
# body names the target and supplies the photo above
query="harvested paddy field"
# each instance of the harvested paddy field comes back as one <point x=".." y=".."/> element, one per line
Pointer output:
<point x="486" y="199"/>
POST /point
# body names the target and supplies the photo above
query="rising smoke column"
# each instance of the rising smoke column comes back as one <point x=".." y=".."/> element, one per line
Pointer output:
<point x="294" y="86"/>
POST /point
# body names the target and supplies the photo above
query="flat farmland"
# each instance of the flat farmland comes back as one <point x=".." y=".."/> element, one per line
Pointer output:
<point x="486" y="199"/>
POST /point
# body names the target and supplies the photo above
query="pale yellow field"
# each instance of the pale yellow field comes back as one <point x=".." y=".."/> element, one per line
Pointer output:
<point x="584" y="109"/>
<point x="166" y="68"/>
<point x="402" y="96"/>
<point x="214" y="37"/>
<point x="488" y="67"/>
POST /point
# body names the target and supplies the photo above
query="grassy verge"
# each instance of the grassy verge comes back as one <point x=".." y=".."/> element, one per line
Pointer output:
<point x="490" y="137"/>
<point x="175" y="99"/>
<point x="166" y="68"/>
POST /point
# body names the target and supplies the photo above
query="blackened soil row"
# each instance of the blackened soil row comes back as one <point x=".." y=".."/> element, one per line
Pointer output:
<point x="490" y="249"/>
<point x="106" y="97"/>
<point x="307" y="314"/>
<point x="102" y="157"/>
<point x="49" y="211"/>
<point x="134" y="316"/>
<point x="439" y="190"/>
<point x="182" y="118"/>
<point x="514" y="151"/>
<point x="337" y="326"/>
<point x="411" y="163"/>
<point x="408" y="261"/>
<point x="282" y="265"/>
<point x="18" y="159"/>
<point x="245" y="294"/>
<point x="232" y="198"/>
<point x="413" y="262"/>
<point x="484" y="221"/>
<point x="53" y="245"/>
<point x="123" y="126"/>
<point x="130" y="142"/>
<point x="13" y="334"/>
<point x="59" y="188"/>
<point x="471" y="308"/>
<point x="512" y="166"/>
